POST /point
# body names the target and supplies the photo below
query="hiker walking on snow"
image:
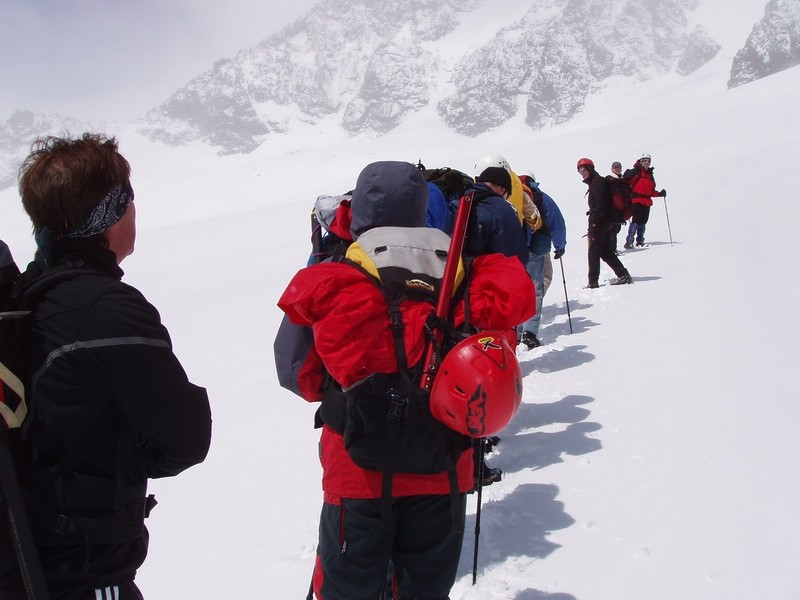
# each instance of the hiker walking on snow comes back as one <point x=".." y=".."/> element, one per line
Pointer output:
<point x="600" y="234"/>
<point x="110" y="405"/>
<point x="494" y="225"/>
<point x="616" y="172"/>
<point x="337" y="345"/>
<point x="498" y="223"/>
<point x="552" y="233"/>
<point x="643" y="190"/>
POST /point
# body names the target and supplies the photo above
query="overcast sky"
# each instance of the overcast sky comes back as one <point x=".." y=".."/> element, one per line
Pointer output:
<point x="109" y="60"/>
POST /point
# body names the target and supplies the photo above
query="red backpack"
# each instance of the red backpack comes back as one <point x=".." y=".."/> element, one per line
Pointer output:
<point x="620" y="198"/>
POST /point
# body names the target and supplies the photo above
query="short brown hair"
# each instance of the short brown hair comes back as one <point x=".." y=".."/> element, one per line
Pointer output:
<point x="63" y="179"/>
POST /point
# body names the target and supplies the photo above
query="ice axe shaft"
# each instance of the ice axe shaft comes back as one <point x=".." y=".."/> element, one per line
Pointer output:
<point x="431" y="358"/>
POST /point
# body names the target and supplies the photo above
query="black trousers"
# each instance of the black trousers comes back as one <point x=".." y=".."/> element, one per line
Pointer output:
<point x="641" y="214"/>
<point x="601" y="247"/>
<point x="355" y="552"/>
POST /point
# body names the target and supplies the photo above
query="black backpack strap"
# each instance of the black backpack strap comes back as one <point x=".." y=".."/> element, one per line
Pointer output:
<point x="397" y="408"/>
<point x="122" y="525"/>
<point x="404" y="405"/>
<point x="399" y="405"/>
<point x="455" y="497"/>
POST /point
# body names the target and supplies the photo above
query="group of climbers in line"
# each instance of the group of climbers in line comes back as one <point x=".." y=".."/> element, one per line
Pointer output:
<point x="353" y="339"/>
<point x="613" y="200"/>
<point x="375" y="504"/>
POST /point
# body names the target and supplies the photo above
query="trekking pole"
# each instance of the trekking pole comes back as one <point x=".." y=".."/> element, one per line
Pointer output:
<point x="430" y="358"/>
<point x="481" y="465"/>
<point x="21" y="535"/>
<point x="564" y="280"/>
<point x="667" y="213"/>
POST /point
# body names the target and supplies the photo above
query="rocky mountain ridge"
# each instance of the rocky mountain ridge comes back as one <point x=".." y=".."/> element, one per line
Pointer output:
<point x="369" y="64"/>
<point x="772" y="46"/>
<point x="22" y="128"/>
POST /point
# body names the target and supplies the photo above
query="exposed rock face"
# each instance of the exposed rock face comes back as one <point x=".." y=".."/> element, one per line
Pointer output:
<point x="772" y="46"/>
<point x="369" y="64"/>
<point x="559" y="52"/>
<point x="20" y="130"/>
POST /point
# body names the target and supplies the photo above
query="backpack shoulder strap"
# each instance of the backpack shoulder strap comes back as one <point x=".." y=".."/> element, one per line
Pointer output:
<point x="405" y="263"/>
<point x="19" y="297"/>
<point x="37" y="279"/>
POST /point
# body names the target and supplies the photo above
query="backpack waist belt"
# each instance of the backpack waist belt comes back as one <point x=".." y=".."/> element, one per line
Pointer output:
<point x="120" y="526"/>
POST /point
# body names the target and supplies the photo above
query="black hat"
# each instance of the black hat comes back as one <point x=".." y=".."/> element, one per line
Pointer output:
<point x="497" y="175"/>
<point x="616" y="163"/>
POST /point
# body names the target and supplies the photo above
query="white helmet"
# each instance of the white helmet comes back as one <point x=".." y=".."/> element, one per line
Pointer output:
<point x="645" y="155"/>
<point x="489" y="160"/>
<point x="529" y="174"/>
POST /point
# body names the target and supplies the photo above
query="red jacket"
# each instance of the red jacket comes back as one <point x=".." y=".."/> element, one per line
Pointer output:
<point x="643" y="186"/>
<point x="352" y="339"/>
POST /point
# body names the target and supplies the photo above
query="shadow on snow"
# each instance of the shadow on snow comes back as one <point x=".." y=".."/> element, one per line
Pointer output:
<point x="519" y="523"/>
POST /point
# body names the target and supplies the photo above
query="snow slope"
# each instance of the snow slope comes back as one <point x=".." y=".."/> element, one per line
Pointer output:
<point x="656" y="453"/>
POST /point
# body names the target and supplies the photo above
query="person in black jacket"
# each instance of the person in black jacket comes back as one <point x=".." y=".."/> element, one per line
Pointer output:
<point x="493" y="224"/>
<point x="601" y="223"/>
<point x="110" y="406"/>
<point x="493" y="227"/>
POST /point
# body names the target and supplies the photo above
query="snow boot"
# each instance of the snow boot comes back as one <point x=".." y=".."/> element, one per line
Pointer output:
<point x="490" y="476"/>
<point x="490" y="443"/>
<point x="530" y="340"/>
<point x="623" y="279"/>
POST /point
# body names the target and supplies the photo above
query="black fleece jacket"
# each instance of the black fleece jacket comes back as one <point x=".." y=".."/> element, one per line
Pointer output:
<point x="599" y="198"/>
<point x="106" y="391"/>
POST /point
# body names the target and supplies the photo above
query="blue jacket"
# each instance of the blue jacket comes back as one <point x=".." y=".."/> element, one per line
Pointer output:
<point x="556" y="227"/>
<point x="493" y="226"/>
<point x="436" y="216"/>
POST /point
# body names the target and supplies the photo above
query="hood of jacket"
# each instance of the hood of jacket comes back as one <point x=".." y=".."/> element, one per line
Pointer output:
<point x="388" y="193"/>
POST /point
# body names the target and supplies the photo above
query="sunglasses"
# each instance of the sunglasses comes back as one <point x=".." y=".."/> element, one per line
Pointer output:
<point x="582" y="169"/>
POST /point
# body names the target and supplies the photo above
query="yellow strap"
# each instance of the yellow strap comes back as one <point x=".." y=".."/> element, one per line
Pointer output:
<point x="13" y="418"/>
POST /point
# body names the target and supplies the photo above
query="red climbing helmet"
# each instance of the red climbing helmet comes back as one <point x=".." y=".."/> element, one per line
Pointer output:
<point x="585" y="162"/>
<point x="479" y="385"/>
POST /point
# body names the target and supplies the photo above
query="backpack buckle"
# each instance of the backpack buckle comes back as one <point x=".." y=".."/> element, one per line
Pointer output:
<point x="396" y="320"/>
<point x="63" y="525"/>
<point x="397" y="406"/>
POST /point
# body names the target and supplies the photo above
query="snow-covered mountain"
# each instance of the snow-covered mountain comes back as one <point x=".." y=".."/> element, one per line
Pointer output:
<point x="550" y="60"/>
<point x="24" y="126"/>
<point x="365" y="67"/>
<point x="656" y="453"/>
<point x="368" y="64"/>
<point x="773" y="45"/>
